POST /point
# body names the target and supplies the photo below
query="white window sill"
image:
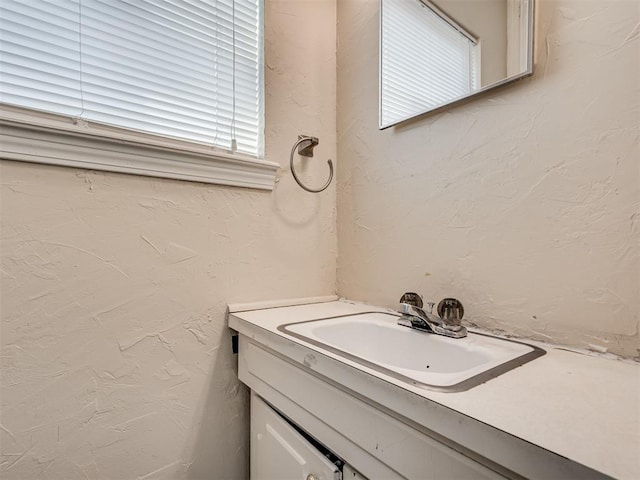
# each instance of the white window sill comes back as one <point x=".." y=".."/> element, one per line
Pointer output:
<point x="56" y="140"/>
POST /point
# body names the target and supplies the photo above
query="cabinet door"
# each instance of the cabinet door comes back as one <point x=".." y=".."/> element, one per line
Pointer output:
<point x="278" y="452"/>
<point x="348" y="473"/>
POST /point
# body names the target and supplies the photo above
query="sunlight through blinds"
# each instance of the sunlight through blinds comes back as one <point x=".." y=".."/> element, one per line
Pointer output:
<point x="190" y="70"/>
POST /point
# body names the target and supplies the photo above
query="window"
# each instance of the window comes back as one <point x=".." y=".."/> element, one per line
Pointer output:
<point x="167" y="76"/>
<point x="427" y="60"/>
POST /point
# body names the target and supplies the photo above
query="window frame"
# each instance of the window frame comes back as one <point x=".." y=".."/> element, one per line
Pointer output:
<point x="34" y="136"/>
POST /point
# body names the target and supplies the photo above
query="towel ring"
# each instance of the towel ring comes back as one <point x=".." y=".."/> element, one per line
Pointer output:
<point x="307" y="151"/>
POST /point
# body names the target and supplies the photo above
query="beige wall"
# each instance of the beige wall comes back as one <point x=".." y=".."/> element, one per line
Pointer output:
<point x="116" y="361"/>
<point x="523" y="203"/>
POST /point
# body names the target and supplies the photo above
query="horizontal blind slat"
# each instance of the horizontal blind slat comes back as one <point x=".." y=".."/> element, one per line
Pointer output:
<point x="164" y="67"/>
<point x="425" y="61"/>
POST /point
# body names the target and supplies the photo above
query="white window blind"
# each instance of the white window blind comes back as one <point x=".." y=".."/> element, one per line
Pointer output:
<point x="184" y="69"/>
<point x="425" y="61"/>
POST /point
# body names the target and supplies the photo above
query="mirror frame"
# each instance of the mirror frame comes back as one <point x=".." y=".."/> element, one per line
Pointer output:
<point x="519" y="76"/>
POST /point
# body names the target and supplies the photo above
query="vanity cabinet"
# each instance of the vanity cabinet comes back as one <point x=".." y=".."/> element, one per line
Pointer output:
<point x="373" y="442"/>
<point x="534" y="421"/>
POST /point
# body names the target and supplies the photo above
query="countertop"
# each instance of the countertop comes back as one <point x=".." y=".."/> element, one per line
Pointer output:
<point x="583" y="407"/>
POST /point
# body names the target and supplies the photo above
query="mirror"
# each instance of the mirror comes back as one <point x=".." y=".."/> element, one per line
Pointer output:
<point x="437" y="52"/>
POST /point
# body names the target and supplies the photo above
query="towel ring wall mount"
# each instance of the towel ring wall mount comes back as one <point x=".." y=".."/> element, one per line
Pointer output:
<point x="305" y="145"/>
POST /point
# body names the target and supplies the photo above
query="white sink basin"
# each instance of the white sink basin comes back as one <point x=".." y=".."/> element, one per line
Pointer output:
<point x="432" y="361"/>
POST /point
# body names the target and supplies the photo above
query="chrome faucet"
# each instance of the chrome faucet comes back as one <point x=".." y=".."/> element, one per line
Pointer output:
<point x="448" y="323"/>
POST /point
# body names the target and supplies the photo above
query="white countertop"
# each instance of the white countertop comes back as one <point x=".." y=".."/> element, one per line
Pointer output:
<point x="583" y="407"/>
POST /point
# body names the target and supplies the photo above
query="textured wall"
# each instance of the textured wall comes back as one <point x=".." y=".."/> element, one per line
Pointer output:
<point x="116" y="360"/>
<point x="523" y="203"/>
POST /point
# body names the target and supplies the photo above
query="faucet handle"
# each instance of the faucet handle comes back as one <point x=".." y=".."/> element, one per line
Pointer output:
<point x="411" y="298"/>
<point x="451" y="311"/>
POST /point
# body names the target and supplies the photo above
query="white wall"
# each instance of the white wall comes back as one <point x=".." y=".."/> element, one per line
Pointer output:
<point x="116" y="359"/>
<point x="523" y="203"/>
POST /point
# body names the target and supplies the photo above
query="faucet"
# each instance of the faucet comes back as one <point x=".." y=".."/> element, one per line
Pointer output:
<point x="448" y="323"/>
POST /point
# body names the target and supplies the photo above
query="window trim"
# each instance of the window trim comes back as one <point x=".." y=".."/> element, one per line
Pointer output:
<point x="37" y="137"/>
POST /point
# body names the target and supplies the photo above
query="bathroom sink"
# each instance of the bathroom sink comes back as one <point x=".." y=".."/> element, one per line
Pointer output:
<point x="376" y="341"/>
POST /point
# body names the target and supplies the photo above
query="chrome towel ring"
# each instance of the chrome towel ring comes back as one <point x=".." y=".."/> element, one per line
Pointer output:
<point x="305" y="146"/>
